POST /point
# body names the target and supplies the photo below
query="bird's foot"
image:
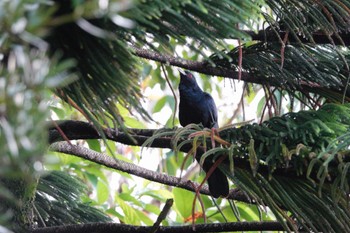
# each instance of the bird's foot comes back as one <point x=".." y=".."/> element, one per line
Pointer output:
<point x="213" y="134"/>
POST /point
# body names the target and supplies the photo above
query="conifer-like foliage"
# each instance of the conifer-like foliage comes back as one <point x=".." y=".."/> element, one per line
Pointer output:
<point x="84" y="59"/>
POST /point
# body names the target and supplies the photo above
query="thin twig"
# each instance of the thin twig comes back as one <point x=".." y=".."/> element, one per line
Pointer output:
<point x="348" y="71"/>
<point x="61" y="132"/>
<point x="283" y="46"/>
<point x="168" y="204"/>
<point x="172" y="90"/>
<point x="240" y="58"/>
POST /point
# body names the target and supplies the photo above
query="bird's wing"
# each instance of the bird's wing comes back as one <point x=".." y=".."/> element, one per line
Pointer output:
<point x="213" y="112"/>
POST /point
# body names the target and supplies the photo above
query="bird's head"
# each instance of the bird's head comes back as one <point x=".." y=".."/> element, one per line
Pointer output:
<point x="188" y="80"/>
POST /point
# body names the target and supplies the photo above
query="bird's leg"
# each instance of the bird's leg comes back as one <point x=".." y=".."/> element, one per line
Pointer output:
<point x="214" y="132"/>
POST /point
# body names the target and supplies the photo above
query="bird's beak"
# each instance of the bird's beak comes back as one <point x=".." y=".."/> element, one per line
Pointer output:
<point x="181" y="72"/>
<point x="183" y="75"/>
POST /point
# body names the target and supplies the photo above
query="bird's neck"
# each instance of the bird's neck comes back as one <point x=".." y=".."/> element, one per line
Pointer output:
<point x="193" y="94"/>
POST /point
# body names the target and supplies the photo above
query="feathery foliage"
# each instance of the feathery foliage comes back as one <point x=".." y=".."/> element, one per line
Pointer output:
<point x="107" y="70"/>
<point x="303" y="18"/>
<point x="58" y="201"/>
<point x="295" y="143"/>
<point x="298" y="141"/>
<point x="322" y="70"/>
<point x="206" y="22"/>
<point x="288" y="56"/>
<point x="295" y="203"/>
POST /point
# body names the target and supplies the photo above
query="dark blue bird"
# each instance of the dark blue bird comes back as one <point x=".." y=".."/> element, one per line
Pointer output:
<point x="198" y="107"/>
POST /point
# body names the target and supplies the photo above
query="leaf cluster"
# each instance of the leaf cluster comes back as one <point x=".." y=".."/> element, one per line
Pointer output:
<point x="293" y="140"/>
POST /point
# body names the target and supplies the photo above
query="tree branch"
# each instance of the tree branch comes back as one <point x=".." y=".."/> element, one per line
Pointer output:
<point x="201" y="67"/>
<point x="318" y="37"/>
<point x="115" y="227"/>
<point x="75" y="130"/>
<point x="110" y="162"/>
<point x="206" y="68"/>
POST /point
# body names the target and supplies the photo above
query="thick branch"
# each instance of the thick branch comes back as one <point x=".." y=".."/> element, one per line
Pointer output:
<point x="74" y="130"/>
<point x="115" y="227"/>
<point x="110" y="162"/>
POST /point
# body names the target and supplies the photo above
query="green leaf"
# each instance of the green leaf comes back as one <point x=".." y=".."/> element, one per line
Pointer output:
<point x="161" y="195"/>
<point x="94" y="144"/>
<point x="144" y="218"/>
<point x="133" y="123"/>
<point x="147" y="68"/>
<point x="130" y="214"/>
<point x="58" y="111"/>
<point x="160" y="104"/>
<point x="261" y="105"/>
<point x="92" y="178"/>
<point x="115" y="213"/>
<point x="129" y="198"/>
<point x="183" y="201"/>
<point x="248" y="213"/>
<point x="102" y="191"/>
<point x="152" y="209"/>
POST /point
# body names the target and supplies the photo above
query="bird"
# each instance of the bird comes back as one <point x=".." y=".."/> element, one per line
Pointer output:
<point x="198" y="107"/>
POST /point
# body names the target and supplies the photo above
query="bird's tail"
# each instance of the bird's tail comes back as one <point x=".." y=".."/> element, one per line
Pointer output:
<point x="217" y="180"/>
